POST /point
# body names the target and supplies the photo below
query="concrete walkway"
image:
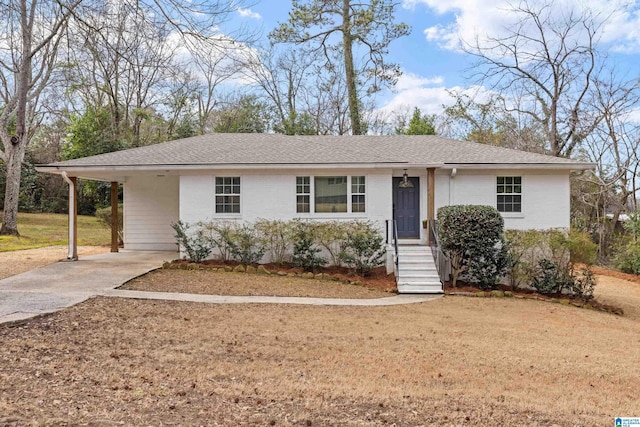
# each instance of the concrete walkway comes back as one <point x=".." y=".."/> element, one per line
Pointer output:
<point x="222" y="299"/>
<point x="63" y="284"/>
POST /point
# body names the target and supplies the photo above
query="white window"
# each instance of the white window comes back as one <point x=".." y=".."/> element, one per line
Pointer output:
<point x="303" y="194"/>
<point x="331" y="194"/>
<point x="228" y="194"/>
<point x="357" y="194"/>
<point x="509" y="189"/>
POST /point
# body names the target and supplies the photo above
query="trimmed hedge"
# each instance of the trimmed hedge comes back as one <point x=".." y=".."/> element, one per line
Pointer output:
<point x="471" y="236"/>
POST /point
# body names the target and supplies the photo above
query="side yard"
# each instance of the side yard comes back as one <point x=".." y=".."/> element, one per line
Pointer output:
<point x="39" y="230"/>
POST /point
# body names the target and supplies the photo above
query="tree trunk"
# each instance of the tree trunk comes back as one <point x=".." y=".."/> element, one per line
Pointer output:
<point x="347" y="41"/>
<point x="14" y="155"/>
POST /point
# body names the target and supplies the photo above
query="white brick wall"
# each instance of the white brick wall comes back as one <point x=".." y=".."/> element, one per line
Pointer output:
<point x="153" y="202"/>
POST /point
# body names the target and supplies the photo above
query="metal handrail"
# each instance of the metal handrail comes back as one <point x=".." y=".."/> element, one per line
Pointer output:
<point x="395" y="246"/>
<point x="443" y="263"/>
<point x="394" y="241"/>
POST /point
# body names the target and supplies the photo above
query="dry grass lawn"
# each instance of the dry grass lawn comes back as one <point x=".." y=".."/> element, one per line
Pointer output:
<point x="452" y="361"/>
<point x="219" y="283"/>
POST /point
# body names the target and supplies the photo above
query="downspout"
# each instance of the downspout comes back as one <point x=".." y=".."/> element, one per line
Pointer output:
<point x="72" y="217"/>
<point x="454" y="172"/>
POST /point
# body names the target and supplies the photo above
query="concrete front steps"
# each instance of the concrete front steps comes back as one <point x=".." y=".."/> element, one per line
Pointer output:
<point x="417" y="272"/>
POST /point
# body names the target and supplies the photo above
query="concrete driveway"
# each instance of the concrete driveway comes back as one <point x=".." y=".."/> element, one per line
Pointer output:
<point x="56" y="286"/>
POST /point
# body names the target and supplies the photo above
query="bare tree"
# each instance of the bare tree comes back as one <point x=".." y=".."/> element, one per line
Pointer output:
<point x="490" y="122"/>
<point x="212" y="64"/>
<point x="549" y="60"/>
<point x="29" y="41"/>
<point x="613" y="146"/>
<point x="366" y="24"/>
<point x="32" y="35"/>
<point x="286" y="78"/>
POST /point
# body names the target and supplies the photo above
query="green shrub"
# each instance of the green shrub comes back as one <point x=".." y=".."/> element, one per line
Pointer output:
<point x="522" y="246"/>
<point x="489" y="268"/>
<point x="277" y="238"/>
<point x="543" y="259"/>
<point x="196" y="245"/>
<point x="470" y="231"/>
<point x="332" y="236"/>
<point x="584" y="285"/>
<point x="245" y="245"/>
<point x="221" y="235"/>
<point x="582" y="249"/>
<point x="551" y="278"/>
<point x="627" y="257"/>
<point x="305" y="251"/>
<point x="364" y="249"/>
<point x="104" y="216"/>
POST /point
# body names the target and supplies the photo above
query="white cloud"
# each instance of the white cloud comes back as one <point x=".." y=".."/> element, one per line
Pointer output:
<point x="429" y="94"/>
<point x="411" y="81"/>
<point x="248" y="13"/>
<point x="471" y="19"/>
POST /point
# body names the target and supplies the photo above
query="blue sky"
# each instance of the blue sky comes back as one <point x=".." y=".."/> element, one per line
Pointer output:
<point x="430" y="57"/>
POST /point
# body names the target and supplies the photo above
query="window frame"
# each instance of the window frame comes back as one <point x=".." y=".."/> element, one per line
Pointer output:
<point x="509" y="182"/>
<point x="303" y="194"/>
<point x="225" y="194"/>
<point x="312" y="194"/>
<point x="361" y="182"/>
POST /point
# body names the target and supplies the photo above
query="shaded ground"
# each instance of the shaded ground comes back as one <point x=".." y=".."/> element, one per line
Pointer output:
<point x="452" y="361"/>
<point x="241" y="284"/>
<point x="16" y="262"/>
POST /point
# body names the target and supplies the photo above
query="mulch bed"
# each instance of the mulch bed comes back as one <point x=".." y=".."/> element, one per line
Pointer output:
<point x="466" y="289"/>
<point x="378" y="279"/>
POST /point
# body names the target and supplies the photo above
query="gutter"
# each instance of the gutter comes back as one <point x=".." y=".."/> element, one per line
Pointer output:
<point x="166" y="168"/>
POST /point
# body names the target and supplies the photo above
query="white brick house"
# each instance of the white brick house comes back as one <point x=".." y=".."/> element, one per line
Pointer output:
<point x="250" y="176"/>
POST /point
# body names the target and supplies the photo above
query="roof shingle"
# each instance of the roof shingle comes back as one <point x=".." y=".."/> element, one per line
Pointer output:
<point x="274" y="149"/>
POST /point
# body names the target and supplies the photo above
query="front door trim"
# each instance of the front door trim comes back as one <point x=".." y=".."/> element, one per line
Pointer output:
<point x="406" y="208"/>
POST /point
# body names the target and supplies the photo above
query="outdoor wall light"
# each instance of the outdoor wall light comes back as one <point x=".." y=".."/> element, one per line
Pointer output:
<point x="405" y="183"/>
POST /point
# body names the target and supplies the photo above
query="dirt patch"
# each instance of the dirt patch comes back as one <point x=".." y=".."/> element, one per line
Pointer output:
<point x="16" y="262"/>
<point x="452" y="361"/>
<point x="242" y="284"/>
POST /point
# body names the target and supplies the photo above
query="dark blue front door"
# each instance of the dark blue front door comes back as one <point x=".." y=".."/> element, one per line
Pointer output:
<point x="406" y="208"/>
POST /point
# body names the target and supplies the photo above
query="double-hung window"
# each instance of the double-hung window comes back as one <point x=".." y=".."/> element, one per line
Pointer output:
<point x="303" y="194"/>
<point x="330" y="194"/>
<point x="357" y="194"/>
<point x="228" y="194"/>
<point x="509" y="189"/>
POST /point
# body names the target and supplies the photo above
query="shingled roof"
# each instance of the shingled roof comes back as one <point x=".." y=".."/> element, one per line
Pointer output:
<point x="255" y="150"/>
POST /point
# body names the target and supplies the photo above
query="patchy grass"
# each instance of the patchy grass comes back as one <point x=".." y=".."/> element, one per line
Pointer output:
<point x="452" y="361"/>
<point x="220" y="283"/>
<point x="43" y="229"/>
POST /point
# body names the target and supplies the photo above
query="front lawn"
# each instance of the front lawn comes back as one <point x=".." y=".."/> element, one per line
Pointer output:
<point x="451" y="361"/>
<point x="44" y="229"/>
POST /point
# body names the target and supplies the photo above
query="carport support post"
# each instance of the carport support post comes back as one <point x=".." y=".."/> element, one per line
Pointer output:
<point x="73" y="219"/>
<point x="431" y="201"/>
<point x="115" y="226"/>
